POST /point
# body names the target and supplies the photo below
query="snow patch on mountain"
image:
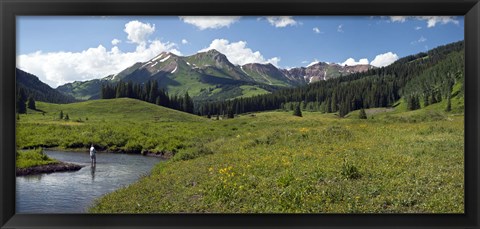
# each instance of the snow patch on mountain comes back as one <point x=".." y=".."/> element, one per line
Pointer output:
<point x="158" y="57"/>
<point x="313" y="63"/>
<point x="146" y="64"/>
<point x="164" y="59"/>
<point x="174" y="70"/>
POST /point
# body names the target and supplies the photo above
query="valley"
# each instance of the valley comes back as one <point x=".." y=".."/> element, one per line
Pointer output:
<point x="235" y="145"/>
<point x="269" y="161"/>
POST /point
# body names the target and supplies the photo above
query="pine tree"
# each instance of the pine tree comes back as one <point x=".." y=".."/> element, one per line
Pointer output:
<point x="449" y="104"/>
<point x="21" y="100"/>
<point x="66" y="117"/>
<point x="21" y="106"/>
<point x="230" y="113"/>
<point x="187" y="103"/>
<point x="61" y="115"/>
<point x="31" y="103"/>
<point x="297" y="111"/>
<point x="362" y="114"/>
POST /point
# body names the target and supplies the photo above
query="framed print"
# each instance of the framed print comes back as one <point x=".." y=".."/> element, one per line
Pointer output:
<point x="252" y="114"/>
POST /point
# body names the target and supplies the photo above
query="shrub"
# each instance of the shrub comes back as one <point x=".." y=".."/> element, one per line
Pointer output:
<point x="350" y="171"/>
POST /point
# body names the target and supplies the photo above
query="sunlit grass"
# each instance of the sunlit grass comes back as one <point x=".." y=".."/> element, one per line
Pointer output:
<point x="272" y="162"/>
<point x="31" y="158"/>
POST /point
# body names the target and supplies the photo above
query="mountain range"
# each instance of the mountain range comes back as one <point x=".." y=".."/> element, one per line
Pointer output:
<point x="209" y="76"/>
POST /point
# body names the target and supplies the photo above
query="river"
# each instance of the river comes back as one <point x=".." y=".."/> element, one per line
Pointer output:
<point x="74" y="192"/>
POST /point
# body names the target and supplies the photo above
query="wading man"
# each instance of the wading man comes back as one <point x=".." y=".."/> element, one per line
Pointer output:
<point x="93" y="153"/>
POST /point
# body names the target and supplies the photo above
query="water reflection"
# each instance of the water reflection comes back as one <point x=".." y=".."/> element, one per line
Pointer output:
<point x="73" y="192"/>
<point x="92" y="171"/>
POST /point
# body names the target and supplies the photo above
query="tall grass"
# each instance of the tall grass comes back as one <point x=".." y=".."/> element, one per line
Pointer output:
<point x="30" y="158"/>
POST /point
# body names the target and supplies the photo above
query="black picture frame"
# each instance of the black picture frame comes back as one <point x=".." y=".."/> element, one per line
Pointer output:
<point x="9" y="9"/>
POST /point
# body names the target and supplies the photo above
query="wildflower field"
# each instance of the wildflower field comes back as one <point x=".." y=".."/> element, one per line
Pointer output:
<point x="270" y="162"/>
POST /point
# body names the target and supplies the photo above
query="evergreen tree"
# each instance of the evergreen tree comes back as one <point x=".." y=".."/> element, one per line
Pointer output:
<point x="334" y="103"/>
<point x="21" y="100"/>
<point x="21" y="106"/>
<point x="343" y="110"/>
<point x="449" y="105"/>
<point x="362" y="114"/>
<point x="187" y="103"/>
<point x="230" y="113"/>
<point x="61" y="115"/>
<point x="426" y="101"/>
<point x="66" y="117"/>
<point x="297" y="111"/>
<point x="31" y="103"/>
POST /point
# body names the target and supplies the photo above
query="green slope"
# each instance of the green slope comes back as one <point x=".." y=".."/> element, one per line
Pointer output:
<point x="118" y="124"/>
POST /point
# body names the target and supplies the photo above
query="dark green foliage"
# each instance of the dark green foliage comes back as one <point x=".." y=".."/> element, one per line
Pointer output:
<point x="18" y="116"/>
<point x="449" y="105"/>
<point x="39" y="90"/>
<point x="230" y="113"/>
<point x="344" y="109"/>
<point x="150" y="92"/>
<point x="413" y="77"/>
<point x="350" y="171"/>
<point x="297" y="111"/>
<point x="67" y="117"/>
<point x="413" y="103"/>
<point x="187" y="103"/>
<point x="21" y="100"/>
<point x="362" y="114"/>
<point x="60" y="115"/>
<point x="31" y="103"/>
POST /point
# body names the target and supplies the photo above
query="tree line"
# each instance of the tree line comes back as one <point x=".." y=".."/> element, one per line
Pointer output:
<point x="148" y="92"/>
<point x="437" y="70"/>
<point x="23" y="101"/>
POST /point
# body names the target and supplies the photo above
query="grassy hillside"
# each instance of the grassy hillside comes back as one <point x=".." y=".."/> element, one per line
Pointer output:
<point x="118" y="124"/>
<point x="395" y="161"/>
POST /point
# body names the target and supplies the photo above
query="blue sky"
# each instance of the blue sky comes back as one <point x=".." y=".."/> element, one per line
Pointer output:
<point x="64" y="49"/>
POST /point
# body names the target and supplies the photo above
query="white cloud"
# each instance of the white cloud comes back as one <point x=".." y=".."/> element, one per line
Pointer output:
<point x="317" y="30"/>
<point x="210" y="22"/>
<point x="340" y="28"/>
<point x="281" y="21"/>
<point x="385" y="59"/>
<point x="116" y="41"/>
<point x="184" y="41"/>
<point x="138" y="32"/>
<point x="238" y="53"/>
<point x="418" y="28"/>
<point x="420" y="40"/>
<point x="58" y="68"/>
<point x="352" y="62"/>
<point x="431" y="20"/>
<point x="398" y="18"/>
<point x="380" y="60"/>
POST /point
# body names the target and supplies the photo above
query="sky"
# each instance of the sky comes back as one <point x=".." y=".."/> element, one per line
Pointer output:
<point x="63" y="49"/>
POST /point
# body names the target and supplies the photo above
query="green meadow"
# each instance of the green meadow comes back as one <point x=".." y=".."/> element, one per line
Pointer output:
<point x="31" y="158"/>
<point x="396" y="161"/>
